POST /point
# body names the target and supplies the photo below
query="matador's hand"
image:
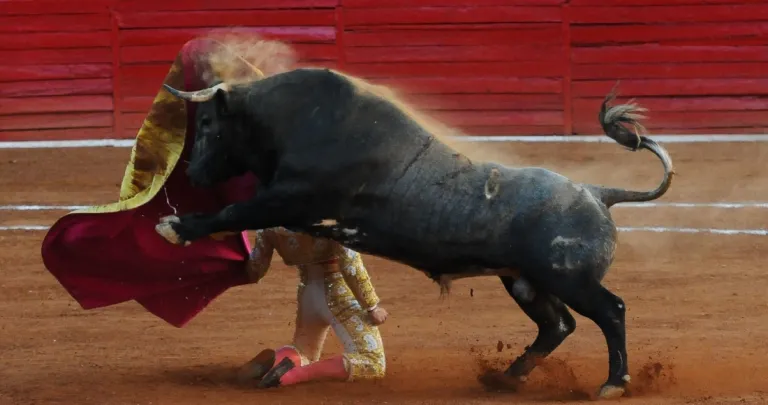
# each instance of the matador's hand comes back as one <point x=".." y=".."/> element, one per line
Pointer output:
<point x="379" y="315"/>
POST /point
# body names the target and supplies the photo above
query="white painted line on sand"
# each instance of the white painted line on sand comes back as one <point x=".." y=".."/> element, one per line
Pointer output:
<point x="86" y="143"/>
<point x="127" y="143"/>
<point x="603" y="138"/>
<point x="731" y="205"/>
<point x="660" y="229"/>
<point x="24" y="228"/>
<point x="42" y="207"/>
<point x="655" y="229"/>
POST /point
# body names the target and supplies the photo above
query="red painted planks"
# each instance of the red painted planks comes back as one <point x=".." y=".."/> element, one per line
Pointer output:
<point x="167" y="53"/>
<point x="27" y="105"/>
<point x="546" y="34"/>
<point x="272" y="18"/>
<point x="378" y="4"/>
<point x="159" y="36"/>
<point x="137" y="104"/>
<point x="197" y="5"/>
<point x="669" y="70"/>
<point x="499" y="118"/>
<point x="581" y="3"/>
<point x="432" y="15"/>
<point x="736" y="41"/>
<point x="703" y="33"/>
<point x="131" y="73"/>
<point x="133" y="121"/>
<point x="54" y="23"/>
<point x="55" y="41"/>
<point x="659" y="53"/>
<point x="588" y="106"/>
<point x="512" y="130"/>
<point x="63" y="120"/>
<point x="478" y="53"/>
<point x="458" y="69"/>
<point x="674" y="87"/>
<point x="447" y="27"/>
<point x="444" y="85"/>
<point x="56" y="88"/>
<point x="49" y="7"/>
<point x="321" y="64"/>
<point x="129" y="133"/>
<point x="147" y="87"/>
<point x="50" y="72"/>
<point x="668" y="14"/>
<point x="56" y="56"/>
<point x="486" y="102"/>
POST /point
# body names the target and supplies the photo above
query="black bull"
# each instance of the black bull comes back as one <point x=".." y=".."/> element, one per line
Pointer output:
<point x="338" y="159"/>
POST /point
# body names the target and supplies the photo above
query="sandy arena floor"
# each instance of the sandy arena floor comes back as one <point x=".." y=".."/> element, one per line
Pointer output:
<point x="697" y="308"/>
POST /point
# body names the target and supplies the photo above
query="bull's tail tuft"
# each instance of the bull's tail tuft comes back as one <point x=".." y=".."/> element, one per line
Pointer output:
<point x="612" y="119"/>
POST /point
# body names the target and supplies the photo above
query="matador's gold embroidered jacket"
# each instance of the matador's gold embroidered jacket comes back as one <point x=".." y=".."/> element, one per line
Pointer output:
<point x="301" y="250"/>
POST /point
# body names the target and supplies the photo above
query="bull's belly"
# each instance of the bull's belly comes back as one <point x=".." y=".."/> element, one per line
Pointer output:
<point x="392" y="243"/>
<point x="424" y="223"/>
<point x="426" y="243"/>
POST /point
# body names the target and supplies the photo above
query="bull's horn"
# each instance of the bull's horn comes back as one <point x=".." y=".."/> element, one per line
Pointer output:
<point x="197" y="96"/>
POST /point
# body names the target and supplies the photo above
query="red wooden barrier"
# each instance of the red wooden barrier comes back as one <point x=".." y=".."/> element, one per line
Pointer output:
<point x="55" y="70"/>
<point x="90" y="68"/>
<point x="698" y="67"/>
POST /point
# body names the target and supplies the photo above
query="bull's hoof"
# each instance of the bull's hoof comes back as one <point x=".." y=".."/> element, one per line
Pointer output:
<point x="501" y="382"/>
<point x="165" y="230"/>
<point x="257" y="367"/>
<point x="611" y="392"/>
<point x="170" y="219"/>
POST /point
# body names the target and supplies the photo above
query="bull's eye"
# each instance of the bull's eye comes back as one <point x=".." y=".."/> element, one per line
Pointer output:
<point x="205" y="121"/>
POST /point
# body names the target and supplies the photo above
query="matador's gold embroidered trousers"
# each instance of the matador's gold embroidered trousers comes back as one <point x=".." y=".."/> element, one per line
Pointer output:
<point x="325" y="301"/>
<point x="329" y="296"/>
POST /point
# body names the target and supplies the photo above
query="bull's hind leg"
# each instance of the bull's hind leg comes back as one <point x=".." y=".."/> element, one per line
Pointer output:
<point x="553" y="319"/>
<point x="592" y="300"/>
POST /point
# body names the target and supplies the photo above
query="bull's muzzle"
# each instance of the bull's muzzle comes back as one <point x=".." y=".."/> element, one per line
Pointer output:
<point x="200" y="95"/>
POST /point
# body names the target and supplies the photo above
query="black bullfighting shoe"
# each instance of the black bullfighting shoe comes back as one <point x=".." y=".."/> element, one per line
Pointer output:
<point x="257" y="367"/>
<point x="272" y="378"/>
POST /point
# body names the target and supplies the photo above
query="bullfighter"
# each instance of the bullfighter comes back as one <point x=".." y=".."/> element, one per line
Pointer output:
<point x="334" y="291"/>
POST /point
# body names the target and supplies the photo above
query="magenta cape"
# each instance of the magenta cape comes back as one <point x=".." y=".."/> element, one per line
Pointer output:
<point x="111" y="255"/>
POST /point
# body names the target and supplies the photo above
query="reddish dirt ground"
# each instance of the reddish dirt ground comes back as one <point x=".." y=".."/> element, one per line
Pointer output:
<point x="697" y="310"/>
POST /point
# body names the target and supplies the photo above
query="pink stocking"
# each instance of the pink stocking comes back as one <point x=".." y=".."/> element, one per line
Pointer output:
<point x="289" y="352"/>
<point x="329" y="369"/>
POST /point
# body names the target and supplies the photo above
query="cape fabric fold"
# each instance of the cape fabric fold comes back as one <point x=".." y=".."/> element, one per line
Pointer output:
<point x="110" y="254"/>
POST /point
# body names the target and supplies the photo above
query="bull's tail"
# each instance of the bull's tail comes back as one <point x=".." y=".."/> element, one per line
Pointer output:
<point x="611" y="119"/>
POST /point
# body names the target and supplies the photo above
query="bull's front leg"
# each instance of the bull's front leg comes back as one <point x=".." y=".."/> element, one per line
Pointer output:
<point x="266" y="210"/>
